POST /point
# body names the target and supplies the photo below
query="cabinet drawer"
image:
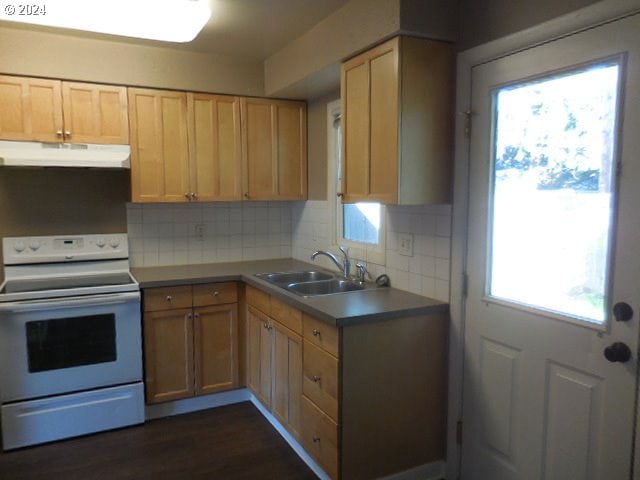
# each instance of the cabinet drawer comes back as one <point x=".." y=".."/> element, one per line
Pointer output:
<point x="214" y="294"/>
<point x="287" y="315"/>
<point x="321" y="334"/>
<point x="320" y="437"/>
<point x="320" y="379"/>
<point x="166" y="298"/>
<point x="258" y="299"/>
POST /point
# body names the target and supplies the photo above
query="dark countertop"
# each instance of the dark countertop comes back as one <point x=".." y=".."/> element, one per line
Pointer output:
<point x="344" y="309"/>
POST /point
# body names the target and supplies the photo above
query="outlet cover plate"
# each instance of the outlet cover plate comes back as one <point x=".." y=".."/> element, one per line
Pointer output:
<point x="405" y="244"/>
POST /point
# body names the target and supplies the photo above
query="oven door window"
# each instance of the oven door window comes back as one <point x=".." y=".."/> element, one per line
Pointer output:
<point x="71" y="342"/>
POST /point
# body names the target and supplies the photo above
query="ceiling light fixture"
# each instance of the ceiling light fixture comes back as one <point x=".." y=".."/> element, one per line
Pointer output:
<point x="167" y="20"/>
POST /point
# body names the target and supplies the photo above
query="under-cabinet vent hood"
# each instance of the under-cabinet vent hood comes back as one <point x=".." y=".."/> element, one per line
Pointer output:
<point x="34" y="154"/>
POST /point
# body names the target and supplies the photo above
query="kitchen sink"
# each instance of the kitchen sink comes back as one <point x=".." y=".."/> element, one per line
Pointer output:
<point x="311" y="283"/>
<point x="295" y="277"/>
<point x="325" y="287"/>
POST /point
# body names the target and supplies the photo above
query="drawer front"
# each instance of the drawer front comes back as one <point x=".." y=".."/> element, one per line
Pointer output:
<point x="167" y="298"/>
<point x="258" y="299"/>
<point x="320" y="379"/>
<point x="321" y="334"/>
<point x="207" y="294"/>
<point x="320" y="437"/>
<point x="287" y="315"/>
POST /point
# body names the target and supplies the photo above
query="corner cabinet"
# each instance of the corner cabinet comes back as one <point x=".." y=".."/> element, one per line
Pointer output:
<point x="274" y="149"/>
<point x="190" y="340"/>
<point x="44" y="110"/>
<point x="367" y="400"/>
<point x="397" y="119"/>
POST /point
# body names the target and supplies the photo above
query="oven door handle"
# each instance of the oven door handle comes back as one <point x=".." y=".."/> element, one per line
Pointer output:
<point x="66" y="302"/>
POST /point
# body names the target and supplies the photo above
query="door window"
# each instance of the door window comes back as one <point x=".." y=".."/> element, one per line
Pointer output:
<point x="552" y="200"/>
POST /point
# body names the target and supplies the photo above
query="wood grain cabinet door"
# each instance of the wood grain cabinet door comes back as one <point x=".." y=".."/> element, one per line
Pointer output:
<point x="30" y="109"/>
<point x="274" y="149"/>
<point x="168" y="342"/>
<point x="159" y="146"/>
<point x="216" y="348"/>
<point x="287" y="377"/>
<point x="215" y="149"/>
<point x="95" y="113"/>
<point x="260" y="355"/>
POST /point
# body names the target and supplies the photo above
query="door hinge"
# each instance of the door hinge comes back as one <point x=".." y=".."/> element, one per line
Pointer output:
<point x="459" y="432"/>
<point x="467" y="123"/>
<point x="465" y="284"/>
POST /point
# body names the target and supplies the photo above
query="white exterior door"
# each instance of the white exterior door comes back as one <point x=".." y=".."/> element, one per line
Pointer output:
<point x="554" y="240"/>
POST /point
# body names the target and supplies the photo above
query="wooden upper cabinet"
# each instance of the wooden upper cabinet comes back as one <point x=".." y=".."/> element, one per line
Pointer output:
<point x="33" y="109"/>
<point x="95" y="113"/>
<point x="159" y="146"/>
<point x="30" y="109"/>
<point x="274" y="141"/>
<point x="214" y="144"/>
<point x="397" y="105"/>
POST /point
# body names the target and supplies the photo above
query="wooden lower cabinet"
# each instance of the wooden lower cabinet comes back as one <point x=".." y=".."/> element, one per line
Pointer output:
<point x="168" y="348"/>
<point x="320" y="437"/>
<point x="190" y="341"/>
<point x="370" y="397"/>
<point x="287" y="377"/>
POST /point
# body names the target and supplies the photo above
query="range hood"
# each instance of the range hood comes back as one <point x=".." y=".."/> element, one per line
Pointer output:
<point x="35" y="154"/>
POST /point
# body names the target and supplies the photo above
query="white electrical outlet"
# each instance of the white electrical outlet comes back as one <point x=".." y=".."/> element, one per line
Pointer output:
<point x="405" y="244"/>
<point x="200" y="232"/>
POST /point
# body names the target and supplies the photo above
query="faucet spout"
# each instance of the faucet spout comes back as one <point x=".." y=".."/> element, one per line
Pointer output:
<point x="345" y="267"/>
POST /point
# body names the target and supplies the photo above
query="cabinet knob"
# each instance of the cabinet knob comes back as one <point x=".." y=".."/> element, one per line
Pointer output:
<point x="315" y="439"/>
<point x="316" y="332"/>
<point x="59" y="133"/>
<point x="246" y="194"/>
<point x="169" y="298"/>
<point x="216" y="293"/>
<point x="340" y="194"/>
<point x="67" y="134"/>
<point x="316" y="379"/>
<point x="194" y="196"/>
<point x="187" y="195"/>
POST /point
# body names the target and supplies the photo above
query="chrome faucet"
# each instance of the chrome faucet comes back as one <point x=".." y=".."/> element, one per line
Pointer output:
<point x="345" y="268"/>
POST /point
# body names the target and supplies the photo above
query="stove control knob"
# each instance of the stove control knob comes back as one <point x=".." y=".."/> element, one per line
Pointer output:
<point x="114" y="242"/>
<point x="19" y="246"/>
<point x="101" y="242"/>
<point x="34" y="245"/>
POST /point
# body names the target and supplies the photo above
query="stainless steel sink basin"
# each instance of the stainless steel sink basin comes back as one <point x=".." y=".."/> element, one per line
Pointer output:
<point x="311" y="283"/>
<point x="287" y="278"/>
<point x="324" y="287"/>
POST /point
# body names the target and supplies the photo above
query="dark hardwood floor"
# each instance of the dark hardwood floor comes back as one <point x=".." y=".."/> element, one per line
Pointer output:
<point x="231" y="442"/>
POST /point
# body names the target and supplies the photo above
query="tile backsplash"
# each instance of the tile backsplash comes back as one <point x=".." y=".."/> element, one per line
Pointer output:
<point x="426" y="272"/>
<point x="167" y="234"/>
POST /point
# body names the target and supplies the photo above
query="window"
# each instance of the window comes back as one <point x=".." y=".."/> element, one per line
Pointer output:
<point x="553" y="192"/>
<point x="357" y="224"/>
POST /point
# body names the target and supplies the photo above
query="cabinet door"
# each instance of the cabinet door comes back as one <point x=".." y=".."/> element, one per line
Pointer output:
<point x="95" y="113"/>
<point x="274" y="141"/>
<point x="30" y="109"/>
<point x="370" y="99"/>
<point x="168" y="353"/>
<point x="260" y="355"/>
<point x="287" y="377"/>
<point x="214" y="144"/>
<point x="216" y="348"/>
<point x="159" y="148"/>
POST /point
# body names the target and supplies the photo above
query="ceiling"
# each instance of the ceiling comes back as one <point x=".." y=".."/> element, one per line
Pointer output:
<point x="247" y="28"/>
